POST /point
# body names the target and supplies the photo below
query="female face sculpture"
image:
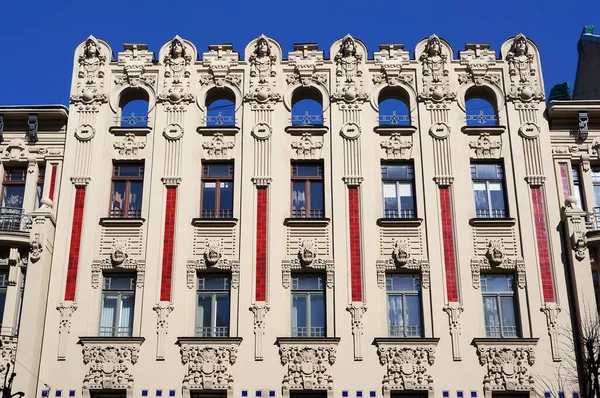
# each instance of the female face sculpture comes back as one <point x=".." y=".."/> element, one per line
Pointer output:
<point x="520" y="46"/>
<point x="91" y="49"/>
<point x="262" y="48"/>
<point x="176" y="49"/>
<point x="348" y="48"/>
<point x="434" y="47"/>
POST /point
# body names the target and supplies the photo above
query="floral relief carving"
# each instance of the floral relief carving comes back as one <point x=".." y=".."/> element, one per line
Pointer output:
<point x="307" y="258"/>
<point x="435" y="72"/>
<point x="408" y="366"/>
<point x="66" y="310"/>
<point x="525" y="85"/>
<point x="507" y="366"/>
<point x="119" y="258"/>
<point x="357" y="310"/>
<point x="478" y="58"/>
<point x="397" y="148"/>
<point x="129" y="146"/>
<point x="259" y="310"/>
<point x="8" y="352"/>
<point x="109" y="366"/>
<point x="134" y="60"/>
<point x="208" y="366"/>
<point x="217" y="147"/>
<point x="486" y="148"/>
<point x="163" y="309"/>
<point x="391" y="58"/>
<point x="402" y="259"/>
<point x="212" y="259"/>
<point x="496" y="257"/>
<point x="348" y="60"/>
<point x="307" y="147"/>
<point x="219" y="60"/>
<point x="305" y="59"/>
<point x="36" y="246"/>
<point x="307" y="366"/>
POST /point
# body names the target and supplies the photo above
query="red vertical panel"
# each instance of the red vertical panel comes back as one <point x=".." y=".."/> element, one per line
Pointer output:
<point x="448" y="240"/>
<point x="167" y="261"/>
<point x="75" y="244"/>
<point x="261" y="243"/>
<point x="355" y="257"/>
<point x="564" y="172"/>
<point x="541" y="233"/>
<point x="52" y="182"/>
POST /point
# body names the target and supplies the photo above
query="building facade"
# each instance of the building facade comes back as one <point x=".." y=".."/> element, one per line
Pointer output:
<point x="291" y="224"/>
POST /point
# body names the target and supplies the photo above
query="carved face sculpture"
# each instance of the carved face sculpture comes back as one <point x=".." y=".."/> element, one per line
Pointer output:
<point x="434" y="47"/>
<point x="91" y="49"/>
<point x="262" y="48"/>
<point x="400" y="252"/>
<point x="176" y="49"/>
<point x="348" y="48"/>
<point x="118" y="256"/>
<point x="520" y="46"/>
<point x="307" y="252"/>
<point x="212" y="254"/>
<point x="495" y="253"/>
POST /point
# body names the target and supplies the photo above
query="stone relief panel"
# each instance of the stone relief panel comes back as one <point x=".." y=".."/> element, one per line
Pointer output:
<point x="308" y="146"/>
<point x="8" y="353"/>
<point x="408" y="365"/>
<point x="307" y="365"/>
<point x="524" y="70"/>
<point x="119" y="259"/>
<point x="204" y="236"/>
<point x="496" y="258"/>
<point x="392" y="58"/>
<point x="129" y="237"/>
<point x="109" y="366"/>
<point x="478" y="59"/>
<point x="296" y="235"/>
<point x="91" y="70"/>
<point x="135" y="59"/>
<point x="177" y="56"/>
<point x="306" y="59"/>
<point x="434" y="59"/>
<point x="129" y="147"/>
<point x="307" y="258"/>
<point x="219" y="60"/>
<point x="397" y="147"/>
<point x="263" y="55"/>
<point x="349" y="58"/>
<point x="218" y="147"/>
<point x="209" y="365"/>
<point x="486" y="147"/>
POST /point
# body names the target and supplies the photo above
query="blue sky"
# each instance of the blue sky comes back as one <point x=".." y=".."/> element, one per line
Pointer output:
<point x="39" y="37"/>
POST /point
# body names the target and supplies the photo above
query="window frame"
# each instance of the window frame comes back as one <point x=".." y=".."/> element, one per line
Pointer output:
<point x="308" y="293"/>
<point x="498" y="295"/>
<point x="4" y="272"/>
<point x="9" y="182"/>
<point x="40" y="186"/>
<point x="217" y="180"/>
<point x="125" y="211"/>
<point x="502" y="180"/>
<point x="308" y="212"/>
<point x="404" y="293"/>
<point x="213" y="308"/>
<point x="398" y="182"/>
<point x="119" y="293"/>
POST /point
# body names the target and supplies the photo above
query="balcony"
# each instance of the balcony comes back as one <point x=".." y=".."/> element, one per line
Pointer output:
<point x="404" y="331"/>
<point x="394" y="120"/>
<point x="14" y="220"/>
<point x="220" y="120"/>
<point x="402" y="213"/>
<point x="307" y="120"/>
<point x="132" y="121"/>
<point x="490" y="213"/>
<point x="312" y="213"/>
<point x="221" y="213"/>
<point x="300" y="331"/>
<point x="208" y="331"/>
<point x="121" y="213"/>
<point x="481" y="120"/>
<point x="592" y="220"/>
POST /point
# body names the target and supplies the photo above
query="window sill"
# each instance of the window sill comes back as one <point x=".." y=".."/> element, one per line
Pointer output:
<point x="15" y="237"/>
<point x="476" y="130"/>
<point x="122" y="222"/>
<point x="299" y="130"/>
<point x="209" y="340"/>
<point x="137" y="130"/>
<point x="399" y="222"/>
<point x="492" y="222"/>
<point x="389" y="130"/>
<point x="225" y="130"/>
<point x="510" y="341"/>
<point x="405" y="341"/>
<point x="110" y="340"/>
<point x="307" y="340"/>
<point x="306" y="222"/>
<point x="215" y="222"/>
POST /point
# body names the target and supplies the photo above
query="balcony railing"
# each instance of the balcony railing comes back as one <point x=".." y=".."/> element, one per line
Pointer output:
<point x="12" y="219"/>
<point x="394" y="120"/>
<point x="208" y="331"/>
<point x="132" y="121"/>
<point x="307" y="120"/>
<point x="490" y="213"/>
<point x="212" y="213"/>
<point x="121" y="213"/>
<point x="220" y="120"/>
<point x="403" y="213"/>
<point x="501" y="331"/>
<point x="593" y="219"/>
<point x="120" y="331"/>
<point x="404" y="331"/>
<point x="313" y="213"/>
<point x="481" y="119"/>
<point x="299" y="331"/>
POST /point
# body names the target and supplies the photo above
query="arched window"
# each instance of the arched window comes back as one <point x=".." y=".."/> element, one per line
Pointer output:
<point x="133" y="108"/>
<point x="393" y="107"/>
<point x="481" y="109"/>
<point x="307" y="107"/>
<point x="220" y="107"/>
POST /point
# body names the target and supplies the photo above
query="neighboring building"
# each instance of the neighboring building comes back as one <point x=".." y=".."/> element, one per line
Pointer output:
<point x="288" y="224"/>
<point x="32" y="142"/>
<point x="587" y="84"/>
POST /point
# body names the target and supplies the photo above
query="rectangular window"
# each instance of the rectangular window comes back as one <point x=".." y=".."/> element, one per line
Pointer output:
<point x="127" y="187"/>
<point x="21" y="295"/>
<point x="212" y="311"/>
<point x="209" y="394"/>
<point x="217" y="190"/>
<point x="13" y="188"/>
<point x="111" y="394"/>
<point x="409" y="394"/>
<point x="3" y="287"/>
<point x="40" y="187"/>
<point x="596" y="282"/>
<point x="499" y="305"/>
<point x="308" y="194"/>
<point x="118" y="296"/>
<point x="308" y="306"/>
<point x="578" y="189"/>
<point x="308" y="394"/>
<point x="596" y="184"/>
<point x="404" y="305"/>
<point x="488" y="189"/>
<point x="398" y="182"/>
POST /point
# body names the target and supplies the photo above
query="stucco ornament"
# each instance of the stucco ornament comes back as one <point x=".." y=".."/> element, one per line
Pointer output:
<point x="495" y="252"/>
<point x="307" y="366"/>
<point x="478" y="58"/>
<point x="349" y="82"/>
<point x="91" y="64"/>
<point x="307" y="147"/>
<point x="397" y="148"/>
<point x="129" y="146"/>
<point x="36" y="246"/>
<point x="134" y="59"/>
<point x="497" y="257"/>
<point x="119" y="254"/>
<point x="305" y="59"/>
<point x="407" y="367"/>
<point x="212" y="252"/>
<point x="176" y="85"/>
<point x="109" y="366"/>
<point x="118" y="258"/>
<point x="262" y="73"/>
<point x="401" y="251"/>
<point x="15" y="149"/>
<point x="435" y="73"/>
<point x="8" y="352"/>
<point x="525" y="85"/>
<point x="392" y="58"/>
<point x="208" y="366"/>
<point x="219" y="60"/>
<point x="217" y="147"/>
<point x="307" y="258"/>
<point x="212" y="259"/>
<point x="402" y="258"/>
<point x="307" y="252"/>
<point x="507" y="367"/>
<point x="486" y="148"/>
<point x="259" y="310"/>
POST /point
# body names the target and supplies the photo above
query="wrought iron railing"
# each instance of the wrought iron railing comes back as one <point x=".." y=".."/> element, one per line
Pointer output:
<point x="404" y="331"/>
<point x="394" y="120"/>
<point x="403" y="213"/>
<point x="481" y="119"/>
<point x="220" y="120"/>
<point x="209" y="331"/>
<point x="212" y="213"/>
<point x="133" y="121"/>
<point x="123" y="213"/>
<point x="501" y="331"/>
<point x="14" y="219"/>
<point x="313" y="213"/>
<point x="490" y="213"/>
<point x="307" y="120"/>
<point x="593" y="219"/>
<point x="112" y="331"/>
<point x="302" y="331"/>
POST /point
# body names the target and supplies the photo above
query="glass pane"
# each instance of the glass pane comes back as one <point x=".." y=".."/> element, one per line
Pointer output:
<point x="135" y="197"/>
<point x="299" y="313"/>
<point x="12" y="196"/>
<point x="309" y="170"/>
<point x="597" y="194"/>
<point x="480" y="194"/>
<point x="398" y="172"/>
<point x="119" y="282"/>
<point x="38" y="195"/>
<point x="109" y="312"/>
<point x="498" y="283"/>
<point x="491" y="316"/>
<point x="390" y="201"/>
<point x="204" y="310"/>
<point x="130" y="170"/>
<point x="413" y="315"/>
<point x="118" y="199"/>
<point x="395" y="315"/>
<point x="226" y="197"/>
<point x="220" y="170"/>
<point x="307" y="282"/>
<point x="17" y="174"/>
<point x="316" y="197"/>
<point x="208" y="198"/>
<point x="222" y="310"/>
<point x="509" y="320"/>
<point x="483" y="170"/>
<point x="298" y="198"/>
<point x="317" y="314"/>
<point x="2" y="303"/>
<point x="403" y="283"/>
<point x="407" y="203"/>
<point x="213" y="283"/>
<point x="497" y="198"/>
<point x="126" y="321"/>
